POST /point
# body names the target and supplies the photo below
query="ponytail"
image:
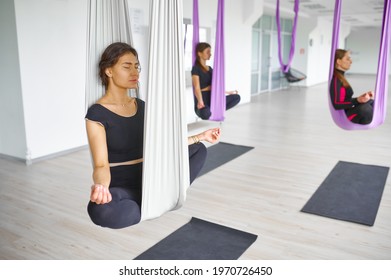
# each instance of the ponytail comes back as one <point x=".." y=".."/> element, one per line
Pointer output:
<point x="339" y="54"/>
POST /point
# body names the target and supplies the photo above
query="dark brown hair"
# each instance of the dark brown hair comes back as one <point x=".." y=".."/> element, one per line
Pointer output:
<point x="110" y="57"/>
<point x="200" y="48"/>
<point x="339" y="54"/>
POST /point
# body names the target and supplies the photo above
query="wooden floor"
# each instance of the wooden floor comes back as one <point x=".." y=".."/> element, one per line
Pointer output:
<point x="43" y="206"/>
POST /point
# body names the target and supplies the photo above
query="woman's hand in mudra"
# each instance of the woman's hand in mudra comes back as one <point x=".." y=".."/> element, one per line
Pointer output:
<point x="100" y="194"/>
<point x="211" y="135"/>
<point x="232" y="92"/>
<point x="364" y="98"/>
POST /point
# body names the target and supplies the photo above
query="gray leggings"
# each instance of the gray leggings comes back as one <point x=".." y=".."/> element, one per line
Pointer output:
<point x="361" y="113"/>
<point x="205" y="113"/>
<point x="125" y="207"/>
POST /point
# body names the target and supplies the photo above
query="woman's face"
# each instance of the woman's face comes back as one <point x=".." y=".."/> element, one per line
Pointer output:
<point x="125" y="73"/>
<point x="345" y="62"/>
<point x="205" y="54"/>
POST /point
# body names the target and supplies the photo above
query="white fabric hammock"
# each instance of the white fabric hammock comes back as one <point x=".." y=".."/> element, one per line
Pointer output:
<point x="108" y="22"/>
<point x="166" y="162"/>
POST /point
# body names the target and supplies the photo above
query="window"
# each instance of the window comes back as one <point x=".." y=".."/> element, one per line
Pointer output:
<point x="265" y="66"/>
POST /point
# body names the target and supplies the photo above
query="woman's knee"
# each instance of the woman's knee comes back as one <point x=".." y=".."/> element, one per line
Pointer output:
<point x="232" y="100"/>
<point x="198" y="151"/>
<point x="366" y="113"/>
<point x="366" y="120"/>
<point x="96" y="213"/>
<point x="114" y="217"/>
<point x="197" y="157"/>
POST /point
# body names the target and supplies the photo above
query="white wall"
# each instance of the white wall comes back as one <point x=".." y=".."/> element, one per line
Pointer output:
<point x="12" y="127"/>
<point x="252" y="10"/>
<point x="302" y="49"/>
<point x="319" y="48"/>
<point x="319" y="52"/>
<point x="238" y="47"/>
<point x="364" y="45"/>
<point x="52" y="55"/>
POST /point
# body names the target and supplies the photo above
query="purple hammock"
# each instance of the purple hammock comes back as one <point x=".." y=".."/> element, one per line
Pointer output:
<point x="217" y="102"/>
<point x="285" y="67"/>
<point x="196" y="31"/>
<point x="380" y="100"/>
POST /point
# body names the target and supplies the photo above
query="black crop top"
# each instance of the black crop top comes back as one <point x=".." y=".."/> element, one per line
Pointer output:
<point x="124" y="135"/>
<point x="205" y="77"/>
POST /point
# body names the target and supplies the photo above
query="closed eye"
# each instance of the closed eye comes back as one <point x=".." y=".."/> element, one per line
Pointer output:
<point x="129" y="65"/>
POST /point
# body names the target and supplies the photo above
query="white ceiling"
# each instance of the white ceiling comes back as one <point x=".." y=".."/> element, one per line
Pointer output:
<point x="357" y="13"/>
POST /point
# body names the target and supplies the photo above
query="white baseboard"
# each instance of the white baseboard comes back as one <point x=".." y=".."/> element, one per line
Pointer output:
<point x="51" y="156"/>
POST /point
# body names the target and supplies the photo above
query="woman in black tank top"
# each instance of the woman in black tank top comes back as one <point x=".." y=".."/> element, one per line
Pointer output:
<point x="201" y="75"/>
<point x="115" y="126"/>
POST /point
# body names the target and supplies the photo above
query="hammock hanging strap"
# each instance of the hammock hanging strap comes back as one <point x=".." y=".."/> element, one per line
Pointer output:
<point x="166" y="160"/>
<point x="218" y="100"/>
<point x="217" y="106"/>
<point x="285" y="67"/>
<point x="380" y="100"/>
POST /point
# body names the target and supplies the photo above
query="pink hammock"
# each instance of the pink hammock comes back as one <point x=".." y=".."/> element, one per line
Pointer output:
<point x="380" y="101"/>
<point x="217" y="102"/>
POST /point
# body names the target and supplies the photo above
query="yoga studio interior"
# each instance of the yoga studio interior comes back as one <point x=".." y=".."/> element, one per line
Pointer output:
<point x="291" y="174"/>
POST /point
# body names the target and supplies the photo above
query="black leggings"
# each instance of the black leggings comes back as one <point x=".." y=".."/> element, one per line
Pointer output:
<point x="230" y="101"/>
<point x="125" y="207"/>
<point x="361" y="113"/>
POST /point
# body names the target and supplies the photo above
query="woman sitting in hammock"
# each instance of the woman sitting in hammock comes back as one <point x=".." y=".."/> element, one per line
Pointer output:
<point x="115" y="128"/>
<point x="202" y="81"/>
<point x="358" y="110"/>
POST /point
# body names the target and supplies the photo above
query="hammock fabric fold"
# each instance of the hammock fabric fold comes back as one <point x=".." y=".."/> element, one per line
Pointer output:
<point x="380" y="100"/>
<point x="166" y="159"/>
<point x="217" y="101"/>
<point x="108" y="22"/>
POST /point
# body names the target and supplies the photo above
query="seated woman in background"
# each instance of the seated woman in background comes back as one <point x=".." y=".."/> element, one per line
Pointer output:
<point x="202" y="81"/>
<point x="358" y="110"/>
<point x="115" y="129"/>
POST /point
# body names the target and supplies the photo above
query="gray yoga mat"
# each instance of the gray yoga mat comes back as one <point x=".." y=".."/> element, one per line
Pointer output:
<point x="351" y="192"/>
<point x="200" y="240"/>
<point x="222" y="153"/>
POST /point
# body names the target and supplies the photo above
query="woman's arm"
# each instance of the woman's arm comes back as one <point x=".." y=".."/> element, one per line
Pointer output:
<point x="96" y="133"/>
<point x="338" y="96"/>
<point x="197" y="91"/>
<point x="210" y="135"/>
